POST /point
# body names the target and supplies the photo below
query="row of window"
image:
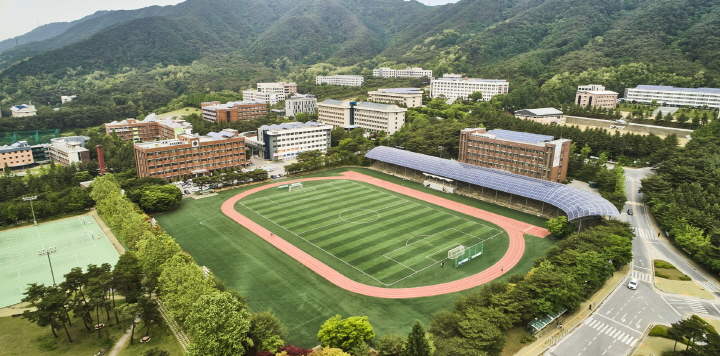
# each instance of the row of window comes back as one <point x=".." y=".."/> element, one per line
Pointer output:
<point x="197" y="166"/>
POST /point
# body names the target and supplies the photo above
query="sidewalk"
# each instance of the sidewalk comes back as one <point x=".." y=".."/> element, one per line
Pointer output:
<point x="550" y="335"/>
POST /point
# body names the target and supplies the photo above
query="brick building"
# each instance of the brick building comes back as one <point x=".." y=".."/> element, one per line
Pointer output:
<point x="191" y="155"/>
<point x="16" y="155"/>
<point x="527" y="154"/>
<point x="149" y="129"/>
<point x="232" y="111"/>
<point x="596" y="95"/>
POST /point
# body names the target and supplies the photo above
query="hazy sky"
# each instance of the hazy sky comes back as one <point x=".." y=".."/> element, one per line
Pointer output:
<point x="18" y="17"/>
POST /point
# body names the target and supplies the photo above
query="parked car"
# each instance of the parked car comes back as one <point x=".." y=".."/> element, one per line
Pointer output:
<point x="630" y="212"/>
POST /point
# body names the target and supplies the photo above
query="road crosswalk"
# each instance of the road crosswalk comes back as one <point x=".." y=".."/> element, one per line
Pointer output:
<point x="632" y="179"/>
<point x="606" y="329"/>
<point x="708" y="286"/>
<point x="696" y="306"/>
<point x="646" y="234"/>
<point x="645" y="277"/>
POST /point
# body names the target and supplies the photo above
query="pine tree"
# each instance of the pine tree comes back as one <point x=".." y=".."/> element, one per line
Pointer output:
<point x="416" y="344"/>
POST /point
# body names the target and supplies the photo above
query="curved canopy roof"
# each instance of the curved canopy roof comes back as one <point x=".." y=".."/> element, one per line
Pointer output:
<point x="576" y="203"/>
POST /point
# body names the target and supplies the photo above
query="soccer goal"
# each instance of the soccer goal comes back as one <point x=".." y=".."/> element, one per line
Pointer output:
<point x="295" y="186"/>
<point x="283" y="187"/>
<point x="468" y="253"/>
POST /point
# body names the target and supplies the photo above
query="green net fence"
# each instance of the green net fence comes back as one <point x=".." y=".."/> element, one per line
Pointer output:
<point x="471" y="252"/>
<point x="33" y="137"/>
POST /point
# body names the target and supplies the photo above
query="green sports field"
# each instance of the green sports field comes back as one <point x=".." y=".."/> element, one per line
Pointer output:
<point x="374" y="235"/>
<point x="77" y="242"/>
<point x="271" y="281"/>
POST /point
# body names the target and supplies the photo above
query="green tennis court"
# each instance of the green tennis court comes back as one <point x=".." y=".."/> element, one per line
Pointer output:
<point x="71" y="242"/>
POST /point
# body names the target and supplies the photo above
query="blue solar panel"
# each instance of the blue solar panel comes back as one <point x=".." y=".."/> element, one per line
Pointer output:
<point x="671" y="88"/>
<point x="576" y="203"/>
<point x="520" y="136"/>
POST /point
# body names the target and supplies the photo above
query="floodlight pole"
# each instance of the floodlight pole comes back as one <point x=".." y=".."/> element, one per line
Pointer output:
<point x="30" y="199"/>
<point x="47" y="253"/>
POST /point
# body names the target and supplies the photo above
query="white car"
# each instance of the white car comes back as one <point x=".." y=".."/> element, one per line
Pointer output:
<point x="633" y="284"/>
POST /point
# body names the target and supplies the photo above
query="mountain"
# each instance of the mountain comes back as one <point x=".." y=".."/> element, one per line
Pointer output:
<point x="44" y="32"/>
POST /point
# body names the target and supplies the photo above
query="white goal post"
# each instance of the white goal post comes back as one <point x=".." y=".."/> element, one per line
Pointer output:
<point x="295" y="186"/>
<point x="456" y="251"/>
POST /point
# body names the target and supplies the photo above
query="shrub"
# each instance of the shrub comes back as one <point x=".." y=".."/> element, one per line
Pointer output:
<point x="663" y="264"/>
<point x="685" y="278"/>
<point x="658" y="274"/>
<point x="527" y="339"/>
<point x="659" y="330"/>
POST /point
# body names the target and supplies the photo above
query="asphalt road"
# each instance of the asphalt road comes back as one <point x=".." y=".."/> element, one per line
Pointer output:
<point x="620" y="321"/>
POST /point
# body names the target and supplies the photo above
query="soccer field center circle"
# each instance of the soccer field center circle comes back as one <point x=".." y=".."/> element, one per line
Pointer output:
<point x="359" y="216"/>
<point x="514" y="228"/>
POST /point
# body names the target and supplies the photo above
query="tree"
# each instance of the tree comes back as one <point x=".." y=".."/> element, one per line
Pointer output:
<point x="181" y="284"/>
<point x="390" y="345"/>
<point x="417" y="344"/>
<point x="345" y="333"/>
<point x="152" y="251"/>
<point x="560" y="226"/>
<point x="266" y="331"/>
<point x="129" y="311"/>
<point x="156" y="352"/>
<point x="127" y="276"/>
<point x="49" y="303"/>
<point x="219" y="324"/>
<point x="160" y="197"/>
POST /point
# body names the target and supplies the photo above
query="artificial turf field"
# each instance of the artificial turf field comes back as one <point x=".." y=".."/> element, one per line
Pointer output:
<point x="270" y="280"/>
<point x="79" y="241"/>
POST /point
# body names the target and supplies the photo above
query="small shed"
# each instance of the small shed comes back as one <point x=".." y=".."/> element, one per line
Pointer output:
<point x="540" y="323"/>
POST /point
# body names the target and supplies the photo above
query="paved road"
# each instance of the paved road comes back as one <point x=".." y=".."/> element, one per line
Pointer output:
<point x="621" y="320"/>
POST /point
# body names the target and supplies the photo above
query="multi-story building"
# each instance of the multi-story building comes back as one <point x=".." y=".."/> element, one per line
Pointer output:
<point x="270" y="93"/>
<point x="285" y="141"/>
<point x="453" y="86"/>
<point x="596" y="95"/>
<point x="402" y="73"/>
<point x="149" y="129"/>
<point x="191" y="155"/>
<point x="527" y="154"/>
<point x="371" y="117"/>
<point x="16" y="155"/>
<point x="341" y="80"/>
<point x="672" y="96"/>
<point x="23" y="110"/>
<point x="543" y="116"/>
<point x="300" y="103"/>
<point x="232" y="111"/>
<point x="67" y="98"/>
<point x="409" y="97"/>
<point x="67" y="152"/>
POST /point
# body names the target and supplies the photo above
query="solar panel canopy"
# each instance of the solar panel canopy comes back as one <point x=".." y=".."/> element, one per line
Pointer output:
<point x="576" y="203"/>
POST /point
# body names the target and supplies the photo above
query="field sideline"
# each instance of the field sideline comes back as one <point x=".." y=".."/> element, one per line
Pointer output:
<point x="514" y="228"/>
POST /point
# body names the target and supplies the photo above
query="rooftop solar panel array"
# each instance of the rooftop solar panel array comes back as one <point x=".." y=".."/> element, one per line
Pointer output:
<point x="671" y="88"/>
<point x="574" y="202"/>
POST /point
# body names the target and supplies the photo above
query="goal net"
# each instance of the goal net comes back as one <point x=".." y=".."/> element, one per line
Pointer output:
<point x="456" y="251"/>
<point x="469" y="253"/>
<point x="295" y="186"/>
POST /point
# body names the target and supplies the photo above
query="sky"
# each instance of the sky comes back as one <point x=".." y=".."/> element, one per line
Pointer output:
<point x="18" y="17"/>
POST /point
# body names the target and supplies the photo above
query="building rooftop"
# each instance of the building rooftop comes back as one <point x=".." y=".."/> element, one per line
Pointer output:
<point x="301" y="96"/>
<point x="291" y="125"/>
<point x="342" y="75"/>
<point x="541" y="112"/>
<point x="518" y="136"/>
<point x="455" y="79"/>
<point x="231" y="104"/>
<point x="334" y="102"/>
<point x="401" y="90"/>
<point x="686" y="90"/>
<point x="17" y="146"/>
<point x="363" y="104"/>
<point x="211" y="136"/>
<point x="599" y="92"/>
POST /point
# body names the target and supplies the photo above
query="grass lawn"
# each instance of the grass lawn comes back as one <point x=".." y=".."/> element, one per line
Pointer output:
<point x="271" y="281"/>
<point x="179" y="113"/>
<point x="513" y="344"/>
<point x="21" y="337"/>
<point x="373" y="235"/>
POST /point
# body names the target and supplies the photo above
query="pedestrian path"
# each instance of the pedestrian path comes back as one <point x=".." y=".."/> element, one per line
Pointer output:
<point x="632" y="179"/>
<point x="646" y="234"/>
<point x="606" y="329"/>
<point x="645" y="277"/>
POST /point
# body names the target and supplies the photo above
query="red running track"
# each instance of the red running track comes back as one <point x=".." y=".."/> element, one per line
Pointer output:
<point x="515" y="230"/>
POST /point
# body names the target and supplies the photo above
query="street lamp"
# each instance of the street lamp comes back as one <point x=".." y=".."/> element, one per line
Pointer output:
<point x="30" y="199"/>
<point x="441" y="148"/>
<point x="47" y="253"/>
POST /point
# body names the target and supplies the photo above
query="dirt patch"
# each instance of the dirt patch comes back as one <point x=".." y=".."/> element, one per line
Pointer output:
<point x="688" y="288"/>
<point x="14" y="309"/>
<point x="682" y="140"/>
<point x="653" y="345"/>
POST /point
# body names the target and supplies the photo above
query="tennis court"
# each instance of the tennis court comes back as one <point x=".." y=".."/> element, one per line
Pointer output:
<point x="68" y="243"/>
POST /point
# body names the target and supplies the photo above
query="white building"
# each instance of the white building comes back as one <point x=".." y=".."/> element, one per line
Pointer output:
<point x="270" y="93"/>
<point x="341" y="80"/>
<point x="543" y="116"/>
<point x="410" y="97"/>
<point x="66" y="99"/>
<point x="401" y="73"/>
<point x="285" y="141"/>
<point x="23" y="110"/>
<point x="369" y="116"/>
<point x="453" y="86"/>
<point x="300" y="103"/>
<point x="591" y="87"/>
<point x="671" y="96"/>
<point x="67" y="152"/>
